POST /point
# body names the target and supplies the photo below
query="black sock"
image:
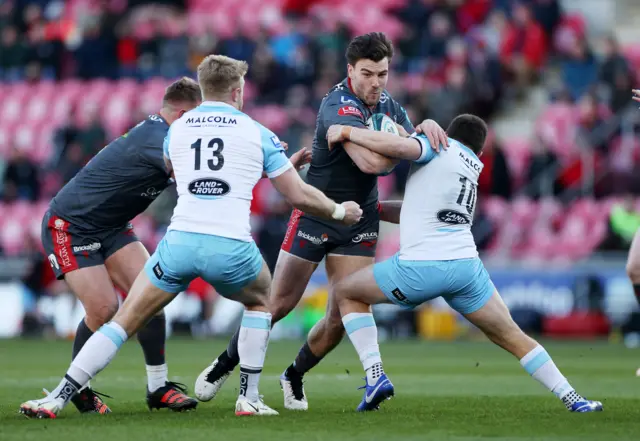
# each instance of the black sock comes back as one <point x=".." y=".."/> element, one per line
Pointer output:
<point x="152" y="339"/>
<point x="83" y="333"/>
<point x="305" y="360"/>
<point x="233" y="358"/>
<point x="636" y="289"/>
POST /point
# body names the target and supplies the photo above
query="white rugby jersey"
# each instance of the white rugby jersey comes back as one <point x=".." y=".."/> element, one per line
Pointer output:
<point x="218" y="155"/>
<point x="439" y="201"/>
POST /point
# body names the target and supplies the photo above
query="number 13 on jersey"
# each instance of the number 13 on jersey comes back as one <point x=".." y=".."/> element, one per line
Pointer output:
<point x="216" y="163"/>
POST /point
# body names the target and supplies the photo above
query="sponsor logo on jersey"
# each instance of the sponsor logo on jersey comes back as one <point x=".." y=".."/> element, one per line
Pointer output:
<point x="53" y="261"/>
<point x="155" y="118"/>
<point x="469" y="162"/>
<point x="209" y="188"/>
<point x="345" y="99"/>
<point x="350" y="110"/>
<point x="453" y="217"/>
<point x="151" y="193"/>
<point x="61" y="239"/>
<point x="95" y="246"/>
<point x="59" y="224"/>
<point x="158" y="271"/>
<point x="313" y="239"/>
<point x="276" y="142"/>
<point x="384" y="98"/>
<point x="366" y="237"/>
<point x="218" y="119"/>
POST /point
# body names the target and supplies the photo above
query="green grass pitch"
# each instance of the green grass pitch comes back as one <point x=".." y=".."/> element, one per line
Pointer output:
<point x="444" y="391"/>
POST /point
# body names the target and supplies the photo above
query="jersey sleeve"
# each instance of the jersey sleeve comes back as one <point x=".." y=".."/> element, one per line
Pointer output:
<point x="165" y="145"/>
<point x="403" y="119"/>
<point x="427" y="153"/>
<point x="150" y="149"/>
<point x="275" y="158"/>
<point x="344" y="111"/>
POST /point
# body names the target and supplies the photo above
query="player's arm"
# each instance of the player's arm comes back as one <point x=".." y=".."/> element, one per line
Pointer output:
<point x="348" y="113"/>
<point x="367" y="160"/>
<point x="300" y="194"/>
<point x="390" y="211"/>
<point x="414" y="148"/>
<point x="312" y="201"/>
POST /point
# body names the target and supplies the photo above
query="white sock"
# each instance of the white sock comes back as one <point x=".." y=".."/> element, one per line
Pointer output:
<point x="157" y="376"/>
<point x="252" y="349"/>
<point x="363" y="333"/>
<point x="94" y="356"/>
<point x="540" y="366"/>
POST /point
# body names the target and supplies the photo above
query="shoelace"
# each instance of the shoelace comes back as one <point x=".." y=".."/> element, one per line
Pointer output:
<point x="179" y="386"/>
<point x="98" y="394"/>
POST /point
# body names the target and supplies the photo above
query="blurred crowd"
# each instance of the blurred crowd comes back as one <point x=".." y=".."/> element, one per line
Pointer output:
<point x="452" y="56"/>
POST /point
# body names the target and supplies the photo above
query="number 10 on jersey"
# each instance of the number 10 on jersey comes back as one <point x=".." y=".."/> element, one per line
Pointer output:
<point x="216" y="163"/>
<point x="470" y="195"/>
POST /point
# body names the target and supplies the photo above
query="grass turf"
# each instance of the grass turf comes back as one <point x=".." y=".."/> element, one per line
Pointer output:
<point x="444" y="391"/>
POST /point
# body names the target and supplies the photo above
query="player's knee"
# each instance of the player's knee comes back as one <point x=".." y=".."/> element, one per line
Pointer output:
<point x="633" y="270"/>
<point x="98" y="314"/>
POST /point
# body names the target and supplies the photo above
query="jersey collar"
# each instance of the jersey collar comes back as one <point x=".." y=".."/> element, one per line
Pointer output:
<point x="216" y="103"/>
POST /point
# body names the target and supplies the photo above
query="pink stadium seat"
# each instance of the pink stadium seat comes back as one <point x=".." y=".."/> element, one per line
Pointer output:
<point x="557" y="127"/>
<point x="496" y="209"/>
<point x="12" y="107"/>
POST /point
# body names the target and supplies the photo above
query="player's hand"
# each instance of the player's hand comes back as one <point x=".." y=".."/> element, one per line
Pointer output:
<point x="285" y="145"/>
<point x="434" y="133"/>
<point x="636" y="94"/>
<point x="352" y="213"/>
<point x="301" y="158"/>
<point x="335" y="134"/>
<point x="402" y="131"/>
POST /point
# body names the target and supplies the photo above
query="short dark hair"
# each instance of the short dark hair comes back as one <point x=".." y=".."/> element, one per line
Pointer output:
<point x="183" y="90"/>
<point x="372" y="46"/>
<point x="469" y="130"/>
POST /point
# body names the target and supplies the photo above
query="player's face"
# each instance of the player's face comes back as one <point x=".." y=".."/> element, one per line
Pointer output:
<point x="369" y="79"/>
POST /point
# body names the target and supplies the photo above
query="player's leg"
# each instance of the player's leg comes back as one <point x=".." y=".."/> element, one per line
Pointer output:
<point x="78" y="261"/>
<point x="128" y="257"/>
<point x="355" y="294"/>
<point x="296" y="263"/>
<point x="353" y="248"/>
<point x="150" y="292"/>
<point x="237" y="271"/>
<point x="144" y="300"/>
<point x="633" y="264"/>
<point x="481" y="304"/>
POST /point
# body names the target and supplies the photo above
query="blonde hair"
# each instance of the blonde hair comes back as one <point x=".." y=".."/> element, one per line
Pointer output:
<point x="218" y="75"/>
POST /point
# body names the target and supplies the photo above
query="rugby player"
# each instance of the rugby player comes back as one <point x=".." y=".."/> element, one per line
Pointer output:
<point x="91" y="244"/>
<point x="217" y="155"/>
<point x="437" y="257"/>
<point x="346" y="173"/>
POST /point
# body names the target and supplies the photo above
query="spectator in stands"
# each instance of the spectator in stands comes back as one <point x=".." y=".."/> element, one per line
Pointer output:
<point x="623" y="223"/>
<point x="524" y="47"/>
<point x="454" y="98"/>
<point x="43" y="56"/>
<point x="237" y="46"/>
<point x="21" y="178"/>
<point x="615" y="75"/>
<point x="543" y="171"/>
<point x="495" y="178"/>
<point x="548" y="13"/>
<point x="579" y="69"/>
<point x="13" y="54"/>
<point x="173" y="50"/>
<point x="595" y="129"/>
<point x="93" y="137"/>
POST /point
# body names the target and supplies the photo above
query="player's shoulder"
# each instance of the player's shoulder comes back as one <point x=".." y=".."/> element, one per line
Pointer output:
<point x="341" y="94"/>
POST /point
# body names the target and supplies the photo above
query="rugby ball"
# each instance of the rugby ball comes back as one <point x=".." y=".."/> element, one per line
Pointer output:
<point x="382" y="123"/>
